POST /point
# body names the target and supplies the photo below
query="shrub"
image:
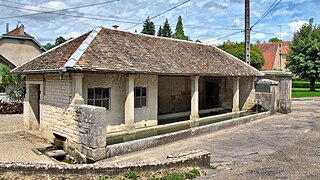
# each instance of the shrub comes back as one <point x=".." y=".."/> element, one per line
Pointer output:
<point x="303" y="84"/>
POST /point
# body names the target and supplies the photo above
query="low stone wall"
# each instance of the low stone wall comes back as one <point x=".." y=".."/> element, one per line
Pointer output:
<point x="199" y="158"/>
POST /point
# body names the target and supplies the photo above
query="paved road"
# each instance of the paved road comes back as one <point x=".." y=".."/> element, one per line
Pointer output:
<point x="276" y="147"/>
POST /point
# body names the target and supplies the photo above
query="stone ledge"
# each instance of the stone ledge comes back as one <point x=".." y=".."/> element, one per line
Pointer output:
<point x="186" y="159"/>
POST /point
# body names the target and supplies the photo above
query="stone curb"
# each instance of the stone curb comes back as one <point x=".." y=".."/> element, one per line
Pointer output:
<point x="199" y="158"/>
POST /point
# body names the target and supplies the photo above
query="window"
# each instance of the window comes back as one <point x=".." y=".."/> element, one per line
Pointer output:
<point x="99" y="97"/>
<point x="140" y="97"/>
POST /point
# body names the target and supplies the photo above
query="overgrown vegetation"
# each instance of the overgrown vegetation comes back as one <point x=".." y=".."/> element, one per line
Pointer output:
<point x="161" y="175"/>
<point x="13" y="84"/>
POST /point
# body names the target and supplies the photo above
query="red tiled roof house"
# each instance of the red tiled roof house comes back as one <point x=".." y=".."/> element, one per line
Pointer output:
<point x="17" y="47"/>
<point x="108" y="81"/>
<point x="275" y="55"/>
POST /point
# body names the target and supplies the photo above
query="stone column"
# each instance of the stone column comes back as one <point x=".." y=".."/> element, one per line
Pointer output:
<point x="129" y="104"/>
<point x="77" y="79"/>
<point x="26" y="110"/>
<point x="236" y="95"/>
<point x="194" y="98"/>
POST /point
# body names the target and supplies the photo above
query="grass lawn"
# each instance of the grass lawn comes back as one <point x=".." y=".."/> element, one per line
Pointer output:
<point x="304" y="92"/>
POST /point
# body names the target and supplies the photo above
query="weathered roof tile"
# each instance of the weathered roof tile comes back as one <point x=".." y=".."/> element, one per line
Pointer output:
<point x="119" y="51"/>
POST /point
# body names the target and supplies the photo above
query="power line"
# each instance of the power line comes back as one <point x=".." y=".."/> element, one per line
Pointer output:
<point x="56" y="12"/>
<point x="27" y="4"/>
<point x="222" y="37"/>
<point x="273" y="5"/>
<point x="159" y="14"/>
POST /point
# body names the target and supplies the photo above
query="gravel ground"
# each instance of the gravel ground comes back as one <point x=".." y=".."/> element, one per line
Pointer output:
<point x="16" y="145"/>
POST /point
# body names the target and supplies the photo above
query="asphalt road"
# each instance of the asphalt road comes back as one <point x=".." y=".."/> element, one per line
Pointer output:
<point x="282" y="146"/>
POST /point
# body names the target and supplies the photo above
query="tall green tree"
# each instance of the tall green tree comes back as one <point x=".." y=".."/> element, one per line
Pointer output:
<point x="303" y="58"/>
<point x="159" y="32"/>
<point x="59" y="40"/>
<point x="148" y="27"/>
<point x="166" y="31"/>
<point x="13" y="84"/>
<point x="236" y="49"/>
<point x="179" y="33"/>
<point x="275" y="40"/>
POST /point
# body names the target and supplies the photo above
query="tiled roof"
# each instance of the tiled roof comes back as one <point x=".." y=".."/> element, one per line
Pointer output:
<point x="15" y="32"/>
<point x="269" y="52"/>
<point x="119" y="51"/>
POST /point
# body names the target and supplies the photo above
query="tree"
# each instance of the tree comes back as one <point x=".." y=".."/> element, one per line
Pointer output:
<point x="159" y="32"/>
<point x="179" y="33"/>
<point x="49" y="46"/>
<point x="59" y="40"/>
<point x="275" y="40"/>
<point x="303" y="58"/>
<point x="13" y="84"/>
<point x="166" y="31"/>
<point x="237" y="49"/>
<point x="148" y="27"/>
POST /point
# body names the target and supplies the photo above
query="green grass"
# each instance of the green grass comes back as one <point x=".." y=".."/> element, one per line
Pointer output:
<point x="304" y="92"/>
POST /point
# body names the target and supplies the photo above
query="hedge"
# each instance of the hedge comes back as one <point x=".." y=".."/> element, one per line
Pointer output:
<point x="303" y="84"/>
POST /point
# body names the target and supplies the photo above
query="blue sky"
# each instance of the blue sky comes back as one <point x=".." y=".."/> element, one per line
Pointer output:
<point x="206" y="20"/>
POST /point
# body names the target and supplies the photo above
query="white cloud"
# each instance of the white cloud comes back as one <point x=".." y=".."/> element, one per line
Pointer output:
<point x="259" y="36"/>
<point x="284" y="35"/>
<point x="55" y="5"/>
<point x="237" y="22"/>
<point x="295" y="26"/>
<point x="213" y="41"/>
<point x="71" y="35"/>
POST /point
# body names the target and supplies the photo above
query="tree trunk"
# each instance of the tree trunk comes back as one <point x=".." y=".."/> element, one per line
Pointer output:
<point x="312" y="84"/>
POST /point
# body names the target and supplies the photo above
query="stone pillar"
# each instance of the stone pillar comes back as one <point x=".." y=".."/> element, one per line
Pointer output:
<point x="194" y="98"/>
<point x="77" y="81"/>
<point x="26" y="110"/>
<point x="236" y="95"/>
<point x="129" y="104"/>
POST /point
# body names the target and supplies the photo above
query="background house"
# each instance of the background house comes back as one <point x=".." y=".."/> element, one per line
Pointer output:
<point x="274" y="54"/>
<point x="17" y="46"/>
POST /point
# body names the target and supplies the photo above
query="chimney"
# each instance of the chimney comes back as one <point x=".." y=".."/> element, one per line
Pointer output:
<point x="7" y="27"/>
<point x="21" y="30"/>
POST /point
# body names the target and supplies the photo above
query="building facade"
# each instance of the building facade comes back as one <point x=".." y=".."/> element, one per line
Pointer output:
<point x="109" y="81"/>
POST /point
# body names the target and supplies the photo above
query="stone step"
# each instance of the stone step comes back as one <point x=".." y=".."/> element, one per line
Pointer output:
<point x="56" y="153"/>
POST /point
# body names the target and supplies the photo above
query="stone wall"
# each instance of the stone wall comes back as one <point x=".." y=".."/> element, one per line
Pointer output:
<point x="283" y="94"/>
<point x="192" y="158"/>
<point x="57" y="97"/>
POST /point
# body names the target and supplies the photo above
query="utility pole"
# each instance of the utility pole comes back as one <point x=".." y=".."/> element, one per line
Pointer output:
<point x="247" y="31"/>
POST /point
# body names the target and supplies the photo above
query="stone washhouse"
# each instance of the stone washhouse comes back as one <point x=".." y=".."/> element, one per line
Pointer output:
<point x="108" y="81"/>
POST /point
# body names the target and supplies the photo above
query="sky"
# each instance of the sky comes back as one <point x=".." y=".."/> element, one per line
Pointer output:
<point x="210" y="21"/>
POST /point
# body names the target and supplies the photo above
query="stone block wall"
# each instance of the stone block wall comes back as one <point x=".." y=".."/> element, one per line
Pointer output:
<point x="57" y="97"/>
<point x="283" y="92"/>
